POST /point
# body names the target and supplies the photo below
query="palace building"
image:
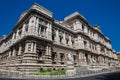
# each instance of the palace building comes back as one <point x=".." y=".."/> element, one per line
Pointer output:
<point x="39" y="41"/>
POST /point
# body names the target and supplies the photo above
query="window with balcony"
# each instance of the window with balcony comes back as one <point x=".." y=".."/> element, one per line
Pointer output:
<point x="41" y="31"/>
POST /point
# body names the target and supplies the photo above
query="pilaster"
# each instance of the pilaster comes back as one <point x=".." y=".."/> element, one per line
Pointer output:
<point x="23" y="29"/>
<point x="13" y="53"/>
<point x="9" y="53"/>
<point x="20" y="48"/>
<point x="48" y="55"/>
<point x="17" y="34"/>
<point x="57" y="37"/>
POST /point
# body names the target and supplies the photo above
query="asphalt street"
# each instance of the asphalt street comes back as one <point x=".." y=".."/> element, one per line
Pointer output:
<point x="108" y="76"/>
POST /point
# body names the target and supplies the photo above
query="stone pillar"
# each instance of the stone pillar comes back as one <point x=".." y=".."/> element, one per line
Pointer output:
<point x="70" y="41"/>
<point x="85" y="29"/>
<point x="18" y="58"/>
<point x="37" y="26"/>
<point x="20" y="48"/>
<point x="57" y="37"/>
<point x="13" y="54"/>
<point x="47" y="50"/>
<point x="17" y="35"/>
<point x="58" y="58"/>
<point x="39" y="31"/>
<point x="74" y="26"/>
<point x="23" y="29"/>
<point x="32" y="47"/>
<point x="48" y="55"/>
<point x="64" y="40"/>
<point x="9" y="53"/>
<point x="89" y="33"/>
<point x="13" y="38"/>
<point x="44" y="32"/>
<point x="49" y="31"/>
<point x="26" y="47"/>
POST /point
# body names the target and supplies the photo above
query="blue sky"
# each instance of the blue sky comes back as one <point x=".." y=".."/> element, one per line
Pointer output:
<point x="105" y="13"/>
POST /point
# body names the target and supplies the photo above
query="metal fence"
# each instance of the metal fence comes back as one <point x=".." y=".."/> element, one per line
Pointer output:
<point x="19" y="75"/>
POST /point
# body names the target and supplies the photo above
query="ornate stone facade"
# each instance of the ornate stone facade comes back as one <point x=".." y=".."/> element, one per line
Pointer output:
<point x="40" y="41"/>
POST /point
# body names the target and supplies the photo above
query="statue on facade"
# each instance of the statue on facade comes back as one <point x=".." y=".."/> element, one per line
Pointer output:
<point x="70" y="58"/>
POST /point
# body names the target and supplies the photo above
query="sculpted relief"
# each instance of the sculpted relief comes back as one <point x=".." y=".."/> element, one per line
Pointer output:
<point x="70" y="58"/>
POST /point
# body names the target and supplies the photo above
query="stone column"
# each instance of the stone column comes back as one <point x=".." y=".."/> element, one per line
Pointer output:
<point x="26" y="47"/>
<point x="23" y="29"/>
<point x="70" y="41"/>
<point x="13" y="54"/>
<point x="49" y="31"/>
<point x="47" y="50"/>
<point x="39" y="31"/>
<point x="17" y="35"/>
<point x="64" y="40"/>
<point x="18" y="58"/>
<point x="57" y="37"/>
<point x="20" y="48"/>
<point x="85" y="29"/>
<point x="44" y="32"/>
<point x="48" y="55"/>
<point x="9" y="53"/>
<point x="58" y="58"/>
<point x="37" y="26"/>
<point x="74" y="26"/>
<point x="13" y="38"/>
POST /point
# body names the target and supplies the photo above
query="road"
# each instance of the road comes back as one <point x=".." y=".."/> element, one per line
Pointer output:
<point x="108" y="76"/>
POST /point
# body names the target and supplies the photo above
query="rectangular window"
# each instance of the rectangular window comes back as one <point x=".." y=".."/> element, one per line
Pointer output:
<point x="40" y="55"/>
<point x="60" y="39"/>
<point x="53" y="37"/>
<point x="67" y="41"/>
